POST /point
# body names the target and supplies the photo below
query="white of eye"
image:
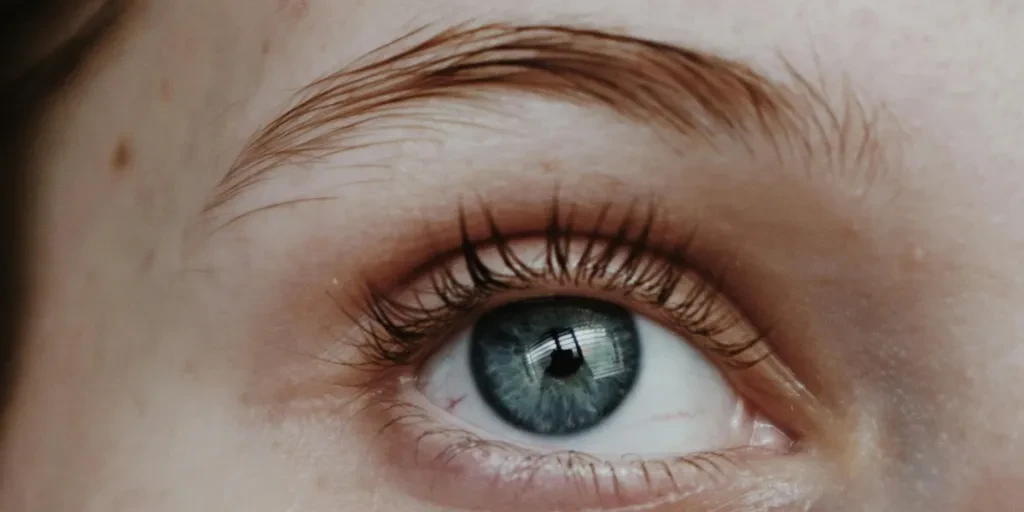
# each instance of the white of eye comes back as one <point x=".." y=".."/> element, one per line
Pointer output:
<point x="680" y="403"/>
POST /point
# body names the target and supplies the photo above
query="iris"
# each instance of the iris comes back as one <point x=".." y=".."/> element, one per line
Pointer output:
<point x="555" y="366"/>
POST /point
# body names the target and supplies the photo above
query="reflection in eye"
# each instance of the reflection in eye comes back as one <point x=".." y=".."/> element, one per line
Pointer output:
<point x="530" y="365"/>
<point x="616" y="386"/>
<point x="588" y="369"/>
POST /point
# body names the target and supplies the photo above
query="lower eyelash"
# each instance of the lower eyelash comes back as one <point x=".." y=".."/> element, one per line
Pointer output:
<point x="446" y="463"/>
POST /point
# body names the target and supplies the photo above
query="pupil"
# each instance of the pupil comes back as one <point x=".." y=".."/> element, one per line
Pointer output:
<point x="557" y="365"/>
<point x="564" y="362"/>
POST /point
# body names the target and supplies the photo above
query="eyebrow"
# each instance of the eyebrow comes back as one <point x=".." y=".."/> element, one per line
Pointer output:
<point x="694" y="94"/>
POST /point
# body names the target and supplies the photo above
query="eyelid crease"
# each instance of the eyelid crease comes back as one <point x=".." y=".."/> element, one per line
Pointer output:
<point x="694" y="95"/>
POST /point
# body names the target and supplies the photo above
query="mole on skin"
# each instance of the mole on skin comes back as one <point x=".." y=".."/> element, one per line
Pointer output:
<point x="122" y="156"/>
<point x="165" y="90"/>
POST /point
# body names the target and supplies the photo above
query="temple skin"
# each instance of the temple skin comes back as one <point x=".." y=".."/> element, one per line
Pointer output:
<point x="155" y="373"/>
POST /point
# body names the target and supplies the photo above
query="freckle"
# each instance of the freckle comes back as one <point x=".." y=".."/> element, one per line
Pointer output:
<point x="147" y="260"/>
<point x="323" y="483"/>
<point x="165" y="90"/>
<point x="190" y="368"/>
<point x="121" y="158"/>
<point x="265" y="47"/>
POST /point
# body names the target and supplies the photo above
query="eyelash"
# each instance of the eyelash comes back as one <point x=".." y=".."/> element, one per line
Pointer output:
<point x="617" y="257"/>
<point x="396" y="331"/>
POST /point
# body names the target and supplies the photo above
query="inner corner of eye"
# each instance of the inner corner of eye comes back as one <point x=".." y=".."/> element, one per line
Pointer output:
<point x="582" y="374"/>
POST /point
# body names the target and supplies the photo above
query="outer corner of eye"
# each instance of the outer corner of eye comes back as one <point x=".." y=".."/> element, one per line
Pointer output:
<point x="573" y="375"/>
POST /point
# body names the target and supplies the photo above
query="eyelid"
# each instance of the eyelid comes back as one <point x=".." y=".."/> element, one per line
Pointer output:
<point x="393" y="350"/>
<point x="622" y="243"/>
<point x="737" y="349"/>
<point x="453" y="466"/>
<point x="680" y="242"/>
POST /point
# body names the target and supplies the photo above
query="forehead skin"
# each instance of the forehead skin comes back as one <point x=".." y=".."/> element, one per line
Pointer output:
<point x="129" y="398"/>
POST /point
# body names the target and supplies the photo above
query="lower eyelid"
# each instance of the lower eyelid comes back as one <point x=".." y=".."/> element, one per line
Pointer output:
<point x="438" y="461"/>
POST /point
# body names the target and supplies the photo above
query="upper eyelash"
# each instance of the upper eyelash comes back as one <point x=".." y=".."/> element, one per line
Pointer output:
<point x="395" y="330"/>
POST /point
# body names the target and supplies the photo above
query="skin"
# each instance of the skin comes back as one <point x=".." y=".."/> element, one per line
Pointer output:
<point x="162" y="367"/>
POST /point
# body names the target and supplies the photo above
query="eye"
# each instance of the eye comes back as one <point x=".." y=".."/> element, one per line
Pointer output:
<point x="587" y="368"/>
<point x="575" y="373"/>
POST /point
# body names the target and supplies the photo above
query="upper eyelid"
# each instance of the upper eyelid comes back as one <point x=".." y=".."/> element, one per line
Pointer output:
<point x="694" y="95"/>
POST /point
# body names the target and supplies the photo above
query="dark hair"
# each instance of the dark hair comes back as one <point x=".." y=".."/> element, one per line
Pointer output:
<point x="42" y="44"/>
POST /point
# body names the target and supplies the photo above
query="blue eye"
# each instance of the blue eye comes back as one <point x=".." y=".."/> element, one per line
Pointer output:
<point x="566" y="373"/>
<point x="555" y="366"/>
<point x="571" y="372"/>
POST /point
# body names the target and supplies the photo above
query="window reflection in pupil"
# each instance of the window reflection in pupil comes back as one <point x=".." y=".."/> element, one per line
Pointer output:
<point x="564" y="362"/>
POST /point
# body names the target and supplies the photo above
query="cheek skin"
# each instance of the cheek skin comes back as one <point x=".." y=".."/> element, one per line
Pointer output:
<point x="297" y="328"/>
<point x="105" y="421"/>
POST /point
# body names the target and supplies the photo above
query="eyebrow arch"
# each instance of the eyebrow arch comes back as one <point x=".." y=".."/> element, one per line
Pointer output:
<point x="695" y="94"/>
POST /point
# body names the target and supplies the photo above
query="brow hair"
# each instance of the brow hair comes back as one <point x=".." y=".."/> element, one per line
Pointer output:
<point x="695" y="94"/>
